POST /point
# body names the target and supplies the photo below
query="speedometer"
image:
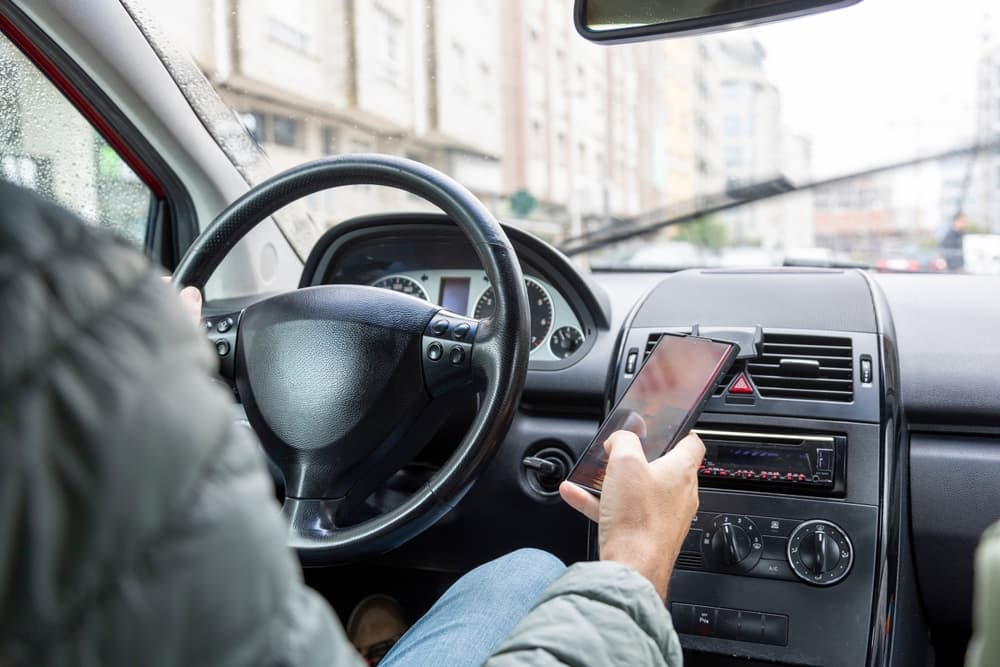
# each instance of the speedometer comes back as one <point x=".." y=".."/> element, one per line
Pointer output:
<point x="403" y="284"/>
<point x="539" y="303"/>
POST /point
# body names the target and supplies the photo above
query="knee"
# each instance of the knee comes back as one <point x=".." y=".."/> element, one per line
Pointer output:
<point x="534" y="567"/>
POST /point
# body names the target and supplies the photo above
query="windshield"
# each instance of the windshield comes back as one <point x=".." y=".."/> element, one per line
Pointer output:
<point x="572" y="141"/>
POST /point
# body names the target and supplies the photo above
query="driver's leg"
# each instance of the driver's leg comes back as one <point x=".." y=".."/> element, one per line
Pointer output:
<point x="473" y="616"/>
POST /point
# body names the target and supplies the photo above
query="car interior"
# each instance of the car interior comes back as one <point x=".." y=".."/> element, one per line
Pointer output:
<point x="421" y="381"/>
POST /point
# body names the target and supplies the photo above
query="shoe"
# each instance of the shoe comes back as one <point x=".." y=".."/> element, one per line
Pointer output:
<point x="374" y="627"/>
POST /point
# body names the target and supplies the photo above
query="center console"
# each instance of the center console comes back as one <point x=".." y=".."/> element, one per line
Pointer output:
<point x="781" y="563"/>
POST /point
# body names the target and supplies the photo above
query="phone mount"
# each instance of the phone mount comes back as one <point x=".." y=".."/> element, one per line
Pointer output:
<point x="749" y="340"/>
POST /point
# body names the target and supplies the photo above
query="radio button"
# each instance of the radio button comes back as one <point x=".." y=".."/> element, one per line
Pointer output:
<point x="683" y="617"/>
<point x="774" y="526"/>
<point x="773" y="569"/>
<point x="824" y="459"/>
<point x="775" y="629"/>
<point x="774" y="548"/>
<point x="704" y="621"/>
<point x="727" y="624"/>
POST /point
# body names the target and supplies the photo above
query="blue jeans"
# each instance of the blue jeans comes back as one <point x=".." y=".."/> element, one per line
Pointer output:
<point x="473" y="616"/>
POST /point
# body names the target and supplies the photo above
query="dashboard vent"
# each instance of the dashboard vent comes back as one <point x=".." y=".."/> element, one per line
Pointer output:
<point x="691" y="561"/>
<point x="798" y="366"/>
<point x="805" y="367"/>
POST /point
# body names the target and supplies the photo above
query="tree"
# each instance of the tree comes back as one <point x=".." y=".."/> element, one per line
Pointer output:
<point x="703" y="232"/>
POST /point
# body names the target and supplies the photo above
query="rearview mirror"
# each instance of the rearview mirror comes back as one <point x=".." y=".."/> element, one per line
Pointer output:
<point x="615" y="21"/>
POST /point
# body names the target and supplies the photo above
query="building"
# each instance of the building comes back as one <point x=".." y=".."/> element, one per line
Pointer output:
<point x="409" y="80"/>
<point x="856" y="217"/>
<point x="756" y="147"/>
<point x="555" y="101"/>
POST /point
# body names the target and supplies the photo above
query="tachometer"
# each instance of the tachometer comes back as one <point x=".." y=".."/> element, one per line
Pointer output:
<point x="539" y="303"/>
<point x="565" y="341"/>
<point x="402" y="284"/>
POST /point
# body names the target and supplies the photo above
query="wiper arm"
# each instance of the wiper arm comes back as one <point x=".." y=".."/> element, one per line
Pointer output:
<point x="653" y="221"/>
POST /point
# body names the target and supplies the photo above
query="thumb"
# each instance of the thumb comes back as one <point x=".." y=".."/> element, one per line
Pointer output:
<point x="582" y="501"/>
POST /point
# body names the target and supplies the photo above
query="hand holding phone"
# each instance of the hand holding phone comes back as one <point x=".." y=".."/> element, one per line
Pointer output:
<point x="645" y="510"/>
<point x="662" y="403"/>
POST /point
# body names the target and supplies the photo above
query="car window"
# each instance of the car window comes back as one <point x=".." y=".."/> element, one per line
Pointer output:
<point x="48" y="146"/>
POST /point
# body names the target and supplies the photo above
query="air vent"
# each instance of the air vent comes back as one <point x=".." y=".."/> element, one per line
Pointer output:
<point x="812" y="368"/>
<point x="797" y="366"/>
<point x="691" y="561"/>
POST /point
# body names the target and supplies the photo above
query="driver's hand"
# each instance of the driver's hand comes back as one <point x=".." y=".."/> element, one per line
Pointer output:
<point x="645" y="509"/>
<point x="191" y="298"/>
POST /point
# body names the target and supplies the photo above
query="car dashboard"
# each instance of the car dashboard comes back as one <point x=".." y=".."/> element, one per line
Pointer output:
<point x="834" y="500"/>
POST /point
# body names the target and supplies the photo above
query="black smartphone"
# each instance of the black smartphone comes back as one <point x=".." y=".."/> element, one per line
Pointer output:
<point x="662" y="403"/>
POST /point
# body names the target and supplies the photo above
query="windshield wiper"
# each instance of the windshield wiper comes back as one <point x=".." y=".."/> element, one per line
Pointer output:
<point x="623" y="229"/>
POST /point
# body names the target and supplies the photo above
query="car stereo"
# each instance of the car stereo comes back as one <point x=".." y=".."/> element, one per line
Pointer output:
<point x="786" y="462"/>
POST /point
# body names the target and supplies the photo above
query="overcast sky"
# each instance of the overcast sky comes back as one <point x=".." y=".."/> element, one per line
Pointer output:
<point x="881" y="80"/>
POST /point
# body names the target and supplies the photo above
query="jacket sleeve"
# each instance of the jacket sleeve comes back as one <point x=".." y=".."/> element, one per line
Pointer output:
<point x="138" y="525"/>
<point x="595" y="614"/>
<point x="984" y="649"/>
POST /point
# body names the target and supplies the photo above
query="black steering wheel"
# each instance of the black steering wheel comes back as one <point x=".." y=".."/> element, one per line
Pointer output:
<point x="344" y="383"/>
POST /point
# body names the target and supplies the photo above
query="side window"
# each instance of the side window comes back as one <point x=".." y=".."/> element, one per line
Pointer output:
<point x="48" y="146"/>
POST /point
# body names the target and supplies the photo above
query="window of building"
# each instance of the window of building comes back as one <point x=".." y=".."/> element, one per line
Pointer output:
<point x="331" y="140"/>
<point x="287" y="131"/>
<point x="389" y="29"/>
<point x="359" y="145"/>
<point x="461" y="83"/>
<point x="287" y="35"/>
<point x="48" y="147"/>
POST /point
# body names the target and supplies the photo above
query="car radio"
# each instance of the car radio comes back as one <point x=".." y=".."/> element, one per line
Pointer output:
<point x="786" y="462"/>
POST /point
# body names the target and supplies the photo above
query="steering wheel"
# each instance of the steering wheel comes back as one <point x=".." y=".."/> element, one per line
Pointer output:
<point x="343" y="384"/>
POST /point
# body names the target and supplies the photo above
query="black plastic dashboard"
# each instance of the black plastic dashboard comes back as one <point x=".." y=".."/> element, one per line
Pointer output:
<point x="922" y="417"/>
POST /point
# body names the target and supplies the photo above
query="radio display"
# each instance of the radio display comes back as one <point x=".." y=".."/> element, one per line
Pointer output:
<point x="751" y="458"/>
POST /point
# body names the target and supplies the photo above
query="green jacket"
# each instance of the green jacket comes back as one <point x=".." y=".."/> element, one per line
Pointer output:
<point x="138" y="526"/>
<point x="984" y="649"/>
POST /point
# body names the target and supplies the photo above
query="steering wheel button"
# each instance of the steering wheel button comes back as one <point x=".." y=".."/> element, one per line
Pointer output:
<point x="434" y="351"/>
<point x="224" y="325"/>
<point x="438" y="327"/>
<point x="456" y="356"/>
<point x="460" y="331"/>
<point x="222" y="347"/>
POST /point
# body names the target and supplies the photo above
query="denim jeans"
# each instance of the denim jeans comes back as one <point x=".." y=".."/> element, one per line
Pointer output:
<point x="473" y="616"/>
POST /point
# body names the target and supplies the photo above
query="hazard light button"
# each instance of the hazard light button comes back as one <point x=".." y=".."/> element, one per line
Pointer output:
<point x="741" y="385"/>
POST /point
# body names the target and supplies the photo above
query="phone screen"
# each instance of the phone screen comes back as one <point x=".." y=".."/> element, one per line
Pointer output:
<point x="662" y="403"/>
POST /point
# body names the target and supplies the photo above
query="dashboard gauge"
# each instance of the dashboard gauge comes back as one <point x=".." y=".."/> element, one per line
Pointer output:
<point x="565" y="341"/>
<point x="540" y="306"/>
<point x="402" y="284"/>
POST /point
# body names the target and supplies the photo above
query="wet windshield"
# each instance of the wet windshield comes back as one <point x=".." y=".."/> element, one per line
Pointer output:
<point x="576" y="142"/>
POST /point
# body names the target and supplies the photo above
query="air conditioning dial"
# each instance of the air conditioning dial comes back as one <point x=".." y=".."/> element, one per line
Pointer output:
<point x="820" y="553"/>
<point x="732" y="544"/>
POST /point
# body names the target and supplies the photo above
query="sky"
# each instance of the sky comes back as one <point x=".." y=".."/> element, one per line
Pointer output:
<point x="881" y="80"/>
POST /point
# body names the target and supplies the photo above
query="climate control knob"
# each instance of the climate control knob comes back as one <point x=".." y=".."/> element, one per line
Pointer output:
<point x="820" y="553"/>
<point x="731" y="544"/>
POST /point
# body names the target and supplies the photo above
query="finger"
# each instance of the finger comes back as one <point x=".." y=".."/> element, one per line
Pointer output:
<point x="623" y="441"/>
<point x="690" y="450"/>
<point x="582" y="501"/>
<point x="191" y="297"/>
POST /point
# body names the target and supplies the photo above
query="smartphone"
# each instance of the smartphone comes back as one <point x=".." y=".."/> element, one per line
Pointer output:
<point x="662" y="403"/>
